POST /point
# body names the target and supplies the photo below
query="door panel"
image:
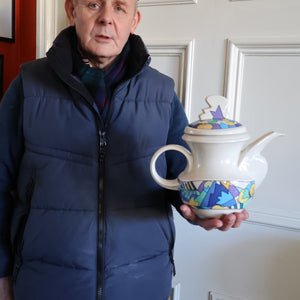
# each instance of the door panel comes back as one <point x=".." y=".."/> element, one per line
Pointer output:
<point x="249" y="52"/>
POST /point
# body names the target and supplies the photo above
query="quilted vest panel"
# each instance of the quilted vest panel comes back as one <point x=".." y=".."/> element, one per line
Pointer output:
<point x="57" y="219"/>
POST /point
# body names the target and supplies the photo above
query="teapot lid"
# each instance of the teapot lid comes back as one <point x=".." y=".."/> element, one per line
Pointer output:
<point x="213" y="120"/>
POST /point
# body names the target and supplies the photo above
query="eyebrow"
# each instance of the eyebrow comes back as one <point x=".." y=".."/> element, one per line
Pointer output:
<point x="120" y="2"/>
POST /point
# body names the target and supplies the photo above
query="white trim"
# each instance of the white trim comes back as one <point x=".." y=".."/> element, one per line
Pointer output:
<point x="237" y="51"/>
<point x="185" y="51"/>
<point x="218" y="296"/>
<point x="49" y="21"/>
<point x="175" y="292"/>
<point x="45" y="26"/>
<point x="165" y="2"/>
<point x="275" y="219"/>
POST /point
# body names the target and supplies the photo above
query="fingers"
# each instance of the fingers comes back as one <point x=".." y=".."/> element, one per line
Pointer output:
<point x="6" y="289"/>
<point x="241" y="217"/>
<point x="234" y="220"/>
<point x="227" y="221"/>
<point x="210" y="224"/>
<point x="207" y="224"/>
<point x="187" y="213"/>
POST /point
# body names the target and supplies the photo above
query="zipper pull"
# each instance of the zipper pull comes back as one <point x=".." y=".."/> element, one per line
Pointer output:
<point x="103" y="140"/>
<point x="102" y="144"/>
<point x="100" y="293"/>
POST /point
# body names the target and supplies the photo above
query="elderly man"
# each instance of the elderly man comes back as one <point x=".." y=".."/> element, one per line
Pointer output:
<point x="80" y="216"/>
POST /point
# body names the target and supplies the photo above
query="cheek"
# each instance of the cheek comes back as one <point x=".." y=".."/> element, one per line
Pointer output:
<point x="125" y="31"/>
<point x="85" y="24"/>
<point x="84" y="31"/>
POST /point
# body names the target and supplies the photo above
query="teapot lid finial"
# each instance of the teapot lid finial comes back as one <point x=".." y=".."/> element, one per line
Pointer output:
<point x="218" y="108"/>
<point x="215" y="120"/>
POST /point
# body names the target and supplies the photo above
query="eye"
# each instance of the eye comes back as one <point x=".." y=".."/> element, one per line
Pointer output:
<point x="94" y="5"/>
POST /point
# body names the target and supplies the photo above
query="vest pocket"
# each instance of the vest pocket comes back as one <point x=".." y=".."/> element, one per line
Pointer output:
<point x="19" y="238"/>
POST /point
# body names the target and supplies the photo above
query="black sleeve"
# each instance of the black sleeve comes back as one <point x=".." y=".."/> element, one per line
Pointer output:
<point x="11" y="150"/>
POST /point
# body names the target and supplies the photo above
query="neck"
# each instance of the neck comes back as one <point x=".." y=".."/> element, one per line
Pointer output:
<point x="99" y="65"/>
<point x="99" y="62"/>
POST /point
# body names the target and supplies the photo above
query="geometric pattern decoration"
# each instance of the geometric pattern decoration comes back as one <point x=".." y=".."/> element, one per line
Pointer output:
<point x="212" y="194"/>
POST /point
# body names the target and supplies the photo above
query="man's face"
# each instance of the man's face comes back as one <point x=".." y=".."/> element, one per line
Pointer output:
<point x="102" y="26"/>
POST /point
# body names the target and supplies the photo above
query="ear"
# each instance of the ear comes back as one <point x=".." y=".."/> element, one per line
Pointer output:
<point x="136" y="21"/>
<point x="69" y="8"/>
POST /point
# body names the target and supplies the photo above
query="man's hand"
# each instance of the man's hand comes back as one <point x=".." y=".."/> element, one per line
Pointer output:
<point x="225" y="223"/>
<point x="6" y="290"/>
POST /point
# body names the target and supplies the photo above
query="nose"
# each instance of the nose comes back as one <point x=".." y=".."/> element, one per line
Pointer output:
<point x="105" y="16"/>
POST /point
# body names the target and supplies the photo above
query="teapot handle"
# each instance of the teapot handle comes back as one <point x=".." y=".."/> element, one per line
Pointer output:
<point x="171" y="184"/>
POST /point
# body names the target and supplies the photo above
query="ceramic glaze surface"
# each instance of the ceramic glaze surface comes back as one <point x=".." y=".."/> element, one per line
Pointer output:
<point x="214" y="124"/>
<point x="208" y="194"/>
<point x="217" y="122"/>
<point x="220" y="176"/>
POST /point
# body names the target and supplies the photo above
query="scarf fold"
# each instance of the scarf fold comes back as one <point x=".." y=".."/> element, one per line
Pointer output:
<point x="101" y="83"/>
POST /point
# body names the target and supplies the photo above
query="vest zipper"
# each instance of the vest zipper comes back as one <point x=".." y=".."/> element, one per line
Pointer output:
<point x="101" y="229"/>
<point x="100" y="254"/>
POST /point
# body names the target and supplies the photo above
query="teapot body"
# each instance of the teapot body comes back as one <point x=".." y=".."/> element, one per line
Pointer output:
<point x="214" y="160"/>
<point x="212" y="182"/>
<point x="215" y="183"/>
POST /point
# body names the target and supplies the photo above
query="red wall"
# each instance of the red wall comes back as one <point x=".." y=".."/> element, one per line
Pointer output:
<point x="24" y="47"/>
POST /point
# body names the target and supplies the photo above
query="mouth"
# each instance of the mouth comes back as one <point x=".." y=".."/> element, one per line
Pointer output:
<point x="103" y="37"/>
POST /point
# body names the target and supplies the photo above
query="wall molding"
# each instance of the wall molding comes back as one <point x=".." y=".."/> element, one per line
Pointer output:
<point x="237" y="52"/>
<point x="218" y="296"/>
<point x="275" y="219"/>
<point x="175" y="292"/>
<point x="45" y="27"/>
<point x="165" y="2"/>
<point x="184" y="50"/>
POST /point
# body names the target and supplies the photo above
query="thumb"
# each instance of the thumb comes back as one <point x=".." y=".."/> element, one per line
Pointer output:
<point x="187" y="212"/>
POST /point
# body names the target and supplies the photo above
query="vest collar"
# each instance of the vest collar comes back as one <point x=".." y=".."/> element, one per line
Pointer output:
<point x="60" y="55"/>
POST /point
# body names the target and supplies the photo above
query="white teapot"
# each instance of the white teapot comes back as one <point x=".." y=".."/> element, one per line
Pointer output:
<point x="220" y="177"/>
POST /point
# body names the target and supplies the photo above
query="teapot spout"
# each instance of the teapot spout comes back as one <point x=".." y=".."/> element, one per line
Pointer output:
<point x="252" y="162"/>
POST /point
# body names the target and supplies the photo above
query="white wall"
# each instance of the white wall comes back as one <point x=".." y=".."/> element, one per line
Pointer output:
<point x="248" y="51"/>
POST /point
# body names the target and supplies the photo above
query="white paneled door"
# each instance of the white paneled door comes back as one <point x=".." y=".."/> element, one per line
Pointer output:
<point x="248" y="51"/>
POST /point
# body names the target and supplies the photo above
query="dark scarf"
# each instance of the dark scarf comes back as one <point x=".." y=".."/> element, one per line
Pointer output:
<point x="101" y="83"/>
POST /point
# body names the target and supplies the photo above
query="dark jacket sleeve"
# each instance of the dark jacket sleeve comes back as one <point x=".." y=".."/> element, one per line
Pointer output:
<point x="175" y="160"/>
<point x="11" y="149"/>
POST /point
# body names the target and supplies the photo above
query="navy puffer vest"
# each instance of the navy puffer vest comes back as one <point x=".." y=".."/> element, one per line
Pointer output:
<point x="91" y="223"/>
